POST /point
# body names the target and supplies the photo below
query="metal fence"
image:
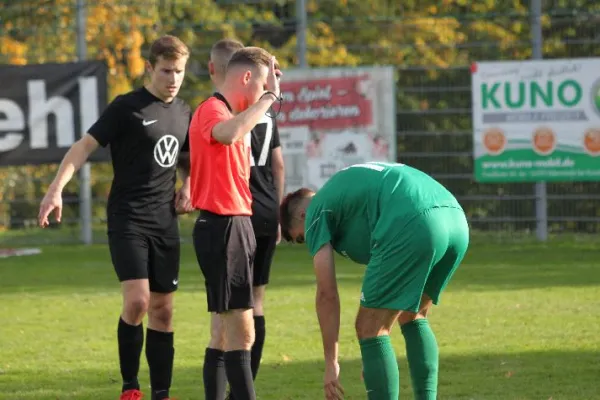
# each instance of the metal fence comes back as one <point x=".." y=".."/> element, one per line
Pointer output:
<point x="432" y="44"/>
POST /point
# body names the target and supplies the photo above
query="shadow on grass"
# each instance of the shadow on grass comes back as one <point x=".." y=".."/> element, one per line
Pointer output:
<point x="489" y="267"/>
<point x="537" y="375"/>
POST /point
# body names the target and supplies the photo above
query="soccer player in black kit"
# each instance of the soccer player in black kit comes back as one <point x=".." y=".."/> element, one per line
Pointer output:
<point x="146" y="130"/>
<point x="266" y="186"/>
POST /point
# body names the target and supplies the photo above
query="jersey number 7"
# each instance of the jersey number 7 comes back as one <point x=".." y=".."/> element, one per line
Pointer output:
<point x="266" y="124"/>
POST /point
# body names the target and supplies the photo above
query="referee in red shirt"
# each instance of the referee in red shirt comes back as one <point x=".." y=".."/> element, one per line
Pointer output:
<point x="223" y="234"/>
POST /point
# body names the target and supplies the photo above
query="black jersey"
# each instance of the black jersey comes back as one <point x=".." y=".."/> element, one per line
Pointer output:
<point x="145" y="136"/>
<point x="265" y="204"/>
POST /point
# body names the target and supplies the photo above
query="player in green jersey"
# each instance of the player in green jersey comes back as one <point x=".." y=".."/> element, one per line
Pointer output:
<point x="411" y="233"/>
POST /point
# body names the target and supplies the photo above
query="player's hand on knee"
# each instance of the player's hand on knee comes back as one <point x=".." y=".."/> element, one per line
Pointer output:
<point x="52" y="201"/>
<point x="331" y="382"/>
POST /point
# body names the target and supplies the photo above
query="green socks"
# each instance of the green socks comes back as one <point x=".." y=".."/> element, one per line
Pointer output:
<point x="380" y="368"/>
<point x="423" y="358"/>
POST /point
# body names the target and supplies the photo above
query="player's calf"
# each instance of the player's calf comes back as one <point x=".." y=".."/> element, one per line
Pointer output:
<point x="380" y="368"/>
<point x="239" y="337"/>
<point x="160" y="351"/>
<point x="421" y="350"/>
<point x="130" y="332"/>
<point x="213" y="371"/>
<point x="260" y="330"/>
<point x="258" y="294"/>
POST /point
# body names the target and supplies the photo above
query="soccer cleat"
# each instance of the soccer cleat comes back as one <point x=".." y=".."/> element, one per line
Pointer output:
<point x="132" y="394"/>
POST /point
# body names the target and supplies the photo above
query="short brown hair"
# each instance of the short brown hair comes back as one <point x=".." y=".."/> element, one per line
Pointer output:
<point x="221" y="53"/>
<point x="168" y="47"/>
<point x="288" y="207"/>
<point x="251" y="57"/>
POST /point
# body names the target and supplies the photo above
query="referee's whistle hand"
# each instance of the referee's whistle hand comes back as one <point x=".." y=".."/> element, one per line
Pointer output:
<point x="52" y="201"/>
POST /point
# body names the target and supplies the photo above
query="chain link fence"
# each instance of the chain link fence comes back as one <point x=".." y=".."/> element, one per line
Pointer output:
<point x="431" y="43"/>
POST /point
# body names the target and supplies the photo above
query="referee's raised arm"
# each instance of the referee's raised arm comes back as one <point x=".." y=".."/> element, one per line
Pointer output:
<point x="229" y="131"/>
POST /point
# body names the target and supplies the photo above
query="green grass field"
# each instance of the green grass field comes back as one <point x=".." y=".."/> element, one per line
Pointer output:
<point x="517" y="322"/>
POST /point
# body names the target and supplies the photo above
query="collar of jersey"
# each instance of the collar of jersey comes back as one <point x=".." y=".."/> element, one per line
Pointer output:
<point x="146" y="92"/>
<point x="223" y="99"/>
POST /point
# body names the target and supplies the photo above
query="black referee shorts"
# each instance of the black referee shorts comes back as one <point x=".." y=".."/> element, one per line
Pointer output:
<point x="225" y="247"/>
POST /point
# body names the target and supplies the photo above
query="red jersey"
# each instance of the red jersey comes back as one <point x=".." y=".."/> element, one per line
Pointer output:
<point x="219" y="174"/>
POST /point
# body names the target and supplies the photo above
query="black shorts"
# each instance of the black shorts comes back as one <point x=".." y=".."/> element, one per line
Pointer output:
<point x="225" y="248"/>
<point x="265" y="249"/>
<point x="142" y="256"/>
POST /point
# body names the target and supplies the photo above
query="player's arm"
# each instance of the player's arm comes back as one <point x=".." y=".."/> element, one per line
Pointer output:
<point x="101" y="133"/>
<point x="327" y="302"/>
<point x="183" y="202"/>
<point x="183" y="166"/>
<point x="232" y="130"/>
<point x="278" y="172"/>
<point x="277" y="166"/>
<point x="75" y="157"/>
<point x="183" y="161"/>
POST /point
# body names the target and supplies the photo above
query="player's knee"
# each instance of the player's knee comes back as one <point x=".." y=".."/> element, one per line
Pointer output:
<point x="135" y="308"/>
<point x="247" y="337"/>
<point x="161" y="315"/>
<point x="373" y="322"/>
<point x="405" y="317"/>
<point x="239" y="330"/>
<point x="424" y="306"/>
<point x="217" y="333"/>
<point x="365" y="330"/>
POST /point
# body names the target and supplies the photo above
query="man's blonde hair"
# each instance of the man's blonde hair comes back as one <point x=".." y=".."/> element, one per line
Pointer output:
<point x="250" y="57"/>
<point x="221" y="53"/>
<point x="168" y="47"/>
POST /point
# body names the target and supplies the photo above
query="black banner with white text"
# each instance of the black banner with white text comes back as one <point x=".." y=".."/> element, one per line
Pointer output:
<point x="45" y="108"/>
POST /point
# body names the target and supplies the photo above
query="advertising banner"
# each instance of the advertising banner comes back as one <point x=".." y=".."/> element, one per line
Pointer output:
<point x="536" y="120"/>
<point x="45" y="108"/>
<point x="334" y="117"/>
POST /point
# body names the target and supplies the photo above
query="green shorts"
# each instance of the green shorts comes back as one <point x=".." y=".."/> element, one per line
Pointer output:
<point x="414" y="257"/>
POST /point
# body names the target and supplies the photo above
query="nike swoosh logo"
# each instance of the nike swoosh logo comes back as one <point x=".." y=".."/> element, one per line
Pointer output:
<point x="146" y="123"/>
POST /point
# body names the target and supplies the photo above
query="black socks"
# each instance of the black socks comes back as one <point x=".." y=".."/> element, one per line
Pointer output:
<point x="131" y="341"/>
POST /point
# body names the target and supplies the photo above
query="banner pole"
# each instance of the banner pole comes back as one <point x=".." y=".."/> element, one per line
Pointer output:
<point x="85" y="186"/>
<point x="541" y="199"/>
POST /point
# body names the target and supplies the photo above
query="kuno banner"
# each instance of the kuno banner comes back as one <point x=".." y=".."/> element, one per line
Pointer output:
<point x="536" y="120"/>
<point x="335" y="117"/>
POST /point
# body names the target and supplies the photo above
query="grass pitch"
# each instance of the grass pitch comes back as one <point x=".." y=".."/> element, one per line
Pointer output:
<point x="517" y="322"/>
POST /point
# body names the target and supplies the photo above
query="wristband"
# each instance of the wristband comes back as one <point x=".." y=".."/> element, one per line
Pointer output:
<point x="266" y="93"/>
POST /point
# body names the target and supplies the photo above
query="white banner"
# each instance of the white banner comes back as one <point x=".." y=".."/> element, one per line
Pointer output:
<point x="335" y="117"/>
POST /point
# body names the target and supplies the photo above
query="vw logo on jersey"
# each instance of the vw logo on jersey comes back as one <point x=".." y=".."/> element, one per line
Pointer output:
<point x="165" y="151"/>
